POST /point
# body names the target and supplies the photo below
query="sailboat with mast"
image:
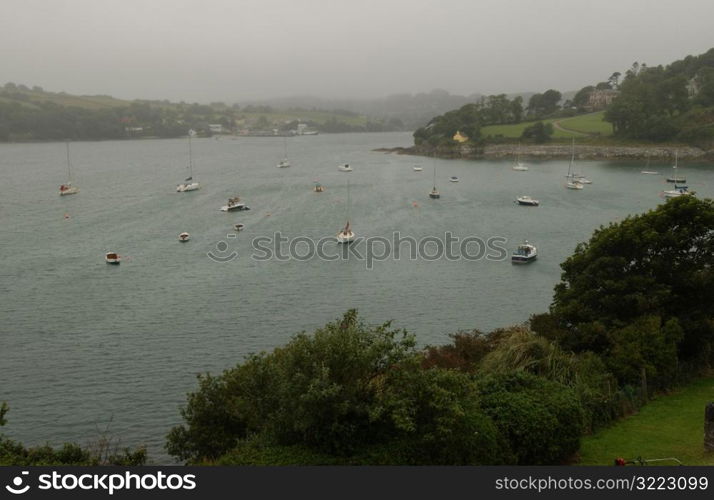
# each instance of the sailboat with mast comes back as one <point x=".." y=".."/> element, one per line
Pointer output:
<point x="517" y="165"/>
<point x="573" y="182"/>
<point x="675" y="178"/>
<point x="189" y="184"/>
<point x="346" y="234"/>
<point x="434" y="193"/>
<point x="67" y="187"/>
<point x="284" y="163"/>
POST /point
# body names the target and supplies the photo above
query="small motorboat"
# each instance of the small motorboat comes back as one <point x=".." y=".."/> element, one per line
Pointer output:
<point x="524" y="254"/>
<point x="234" y="204"/>
<point x="346" y="235"/>
<point x="453" y="178"/>
<point x="319" y="188"/>
<point x="677" y="192"/>
<point x="527" y="200"/>
<point x="284" y="163"/>
<point x="345" y="167"/>
<point x="649" y="172"/>
<point x="238" y="227"/>
<point x="574" y="184"/>
<point x="68" y="188"/>
<point x="519" y="167"/>
<point x="112" y="258"/>
<point x="184" y="237"/>
<point x="583" y="180"/>
<point x="417" y="168"/>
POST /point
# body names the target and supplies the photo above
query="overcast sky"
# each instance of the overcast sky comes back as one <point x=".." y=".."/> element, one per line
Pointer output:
<point x="237" y="50"/>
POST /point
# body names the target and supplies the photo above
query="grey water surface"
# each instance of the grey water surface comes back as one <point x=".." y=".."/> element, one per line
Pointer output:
<point x="85" y="346"/>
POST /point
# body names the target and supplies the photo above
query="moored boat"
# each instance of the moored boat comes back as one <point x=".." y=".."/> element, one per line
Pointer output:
<point x="234" y="204"/>
<point x="112" y="258"/>
<point x="524" y="254"/>
<point x="527" y="200"/>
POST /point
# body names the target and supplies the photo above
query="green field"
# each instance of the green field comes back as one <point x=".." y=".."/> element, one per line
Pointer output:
<point x="669" y="426"/>
<point x="591" y="124"/>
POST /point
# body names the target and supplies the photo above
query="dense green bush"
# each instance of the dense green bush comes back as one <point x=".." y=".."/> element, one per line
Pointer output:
<point x="542" y="420"/>
<point x="103" y="452"/>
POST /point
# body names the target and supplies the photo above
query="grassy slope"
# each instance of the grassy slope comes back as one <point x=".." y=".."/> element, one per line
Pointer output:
<point x="670" y="426"/>
<point x="591" y="123"/>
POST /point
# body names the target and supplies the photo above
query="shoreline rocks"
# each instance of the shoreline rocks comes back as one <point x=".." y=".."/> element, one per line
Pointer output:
<point x="548" y="151"/>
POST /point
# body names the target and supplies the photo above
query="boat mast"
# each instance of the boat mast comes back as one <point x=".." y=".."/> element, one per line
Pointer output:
<point x="435" y="171"/>
<point x="190" y="155"/>
<point x="572" y="157"/>
<point x="69" y="173"/>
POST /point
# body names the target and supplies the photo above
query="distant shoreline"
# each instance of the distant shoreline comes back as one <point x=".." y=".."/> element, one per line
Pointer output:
<point x="548" y="151"/>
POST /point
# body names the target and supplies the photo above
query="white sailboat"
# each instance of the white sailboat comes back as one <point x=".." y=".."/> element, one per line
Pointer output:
<point x="284" y="163"/>
<point x="434" y="193"/>
<point x="517" y="165"/>
<point x="573" y="182"/>
<point x="67" y="187"/>
<point x="675" y="178"/>
<point x="346" y="235"/>
<point x="189" y="184"/>
<point x="647" y="168"/>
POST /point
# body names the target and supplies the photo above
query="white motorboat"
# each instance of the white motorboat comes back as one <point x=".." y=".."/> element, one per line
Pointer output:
<point x="574" y="184"/>
<point x="345" y="167"/>
<point x="649" y="172"/>
<point x="678" y="191"/>
<point x="527" y="200"/>
<point x="453" y="178"/>
<point x="417" y="168"/>
<point x="234" y="204"/>
<point x="238" y="227"/>
<point x="112" y="258"/>
<point x="67" y="187"/>
<point x="184" y="237"/>
<point x="524" y="254"/>
<point x="284" y="163"/>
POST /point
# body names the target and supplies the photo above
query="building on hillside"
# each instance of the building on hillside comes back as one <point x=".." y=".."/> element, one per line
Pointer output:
<point x="601" y="99"/>
<point x="459" y="137"/>
<point x="215" y="128"/>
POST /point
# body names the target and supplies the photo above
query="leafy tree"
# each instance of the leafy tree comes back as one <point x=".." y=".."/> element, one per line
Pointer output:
<point x="658" y="264"/>
<point x="539" y="132"/>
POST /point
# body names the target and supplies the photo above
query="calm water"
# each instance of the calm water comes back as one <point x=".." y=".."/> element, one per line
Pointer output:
<point x="84" y="345"/>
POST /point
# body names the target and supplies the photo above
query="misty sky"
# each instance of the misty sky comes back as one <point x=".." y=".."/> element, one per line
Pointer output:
<point x="238" y="50"/>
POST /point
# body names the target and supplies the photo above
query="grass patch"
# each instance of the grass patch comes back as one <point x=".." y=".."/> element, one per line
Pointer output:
<point x="592" y="123"/>
<point x="669" y="426"/>
<point x="515" y="131"/>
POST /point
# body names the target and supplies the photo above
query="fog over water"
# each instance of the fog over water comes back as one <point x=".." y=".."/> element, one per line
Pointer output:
<point x="248" y="49"/>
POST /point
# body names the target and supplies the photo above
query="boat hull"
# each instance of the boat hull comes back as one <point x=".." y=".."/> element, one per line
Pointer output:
<point x="434" y="196"/>
<point x="235" y="208"/>
<point x="184" y="188"/>
<point x="345" y="238"/>
<point x="522" y="259"/>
